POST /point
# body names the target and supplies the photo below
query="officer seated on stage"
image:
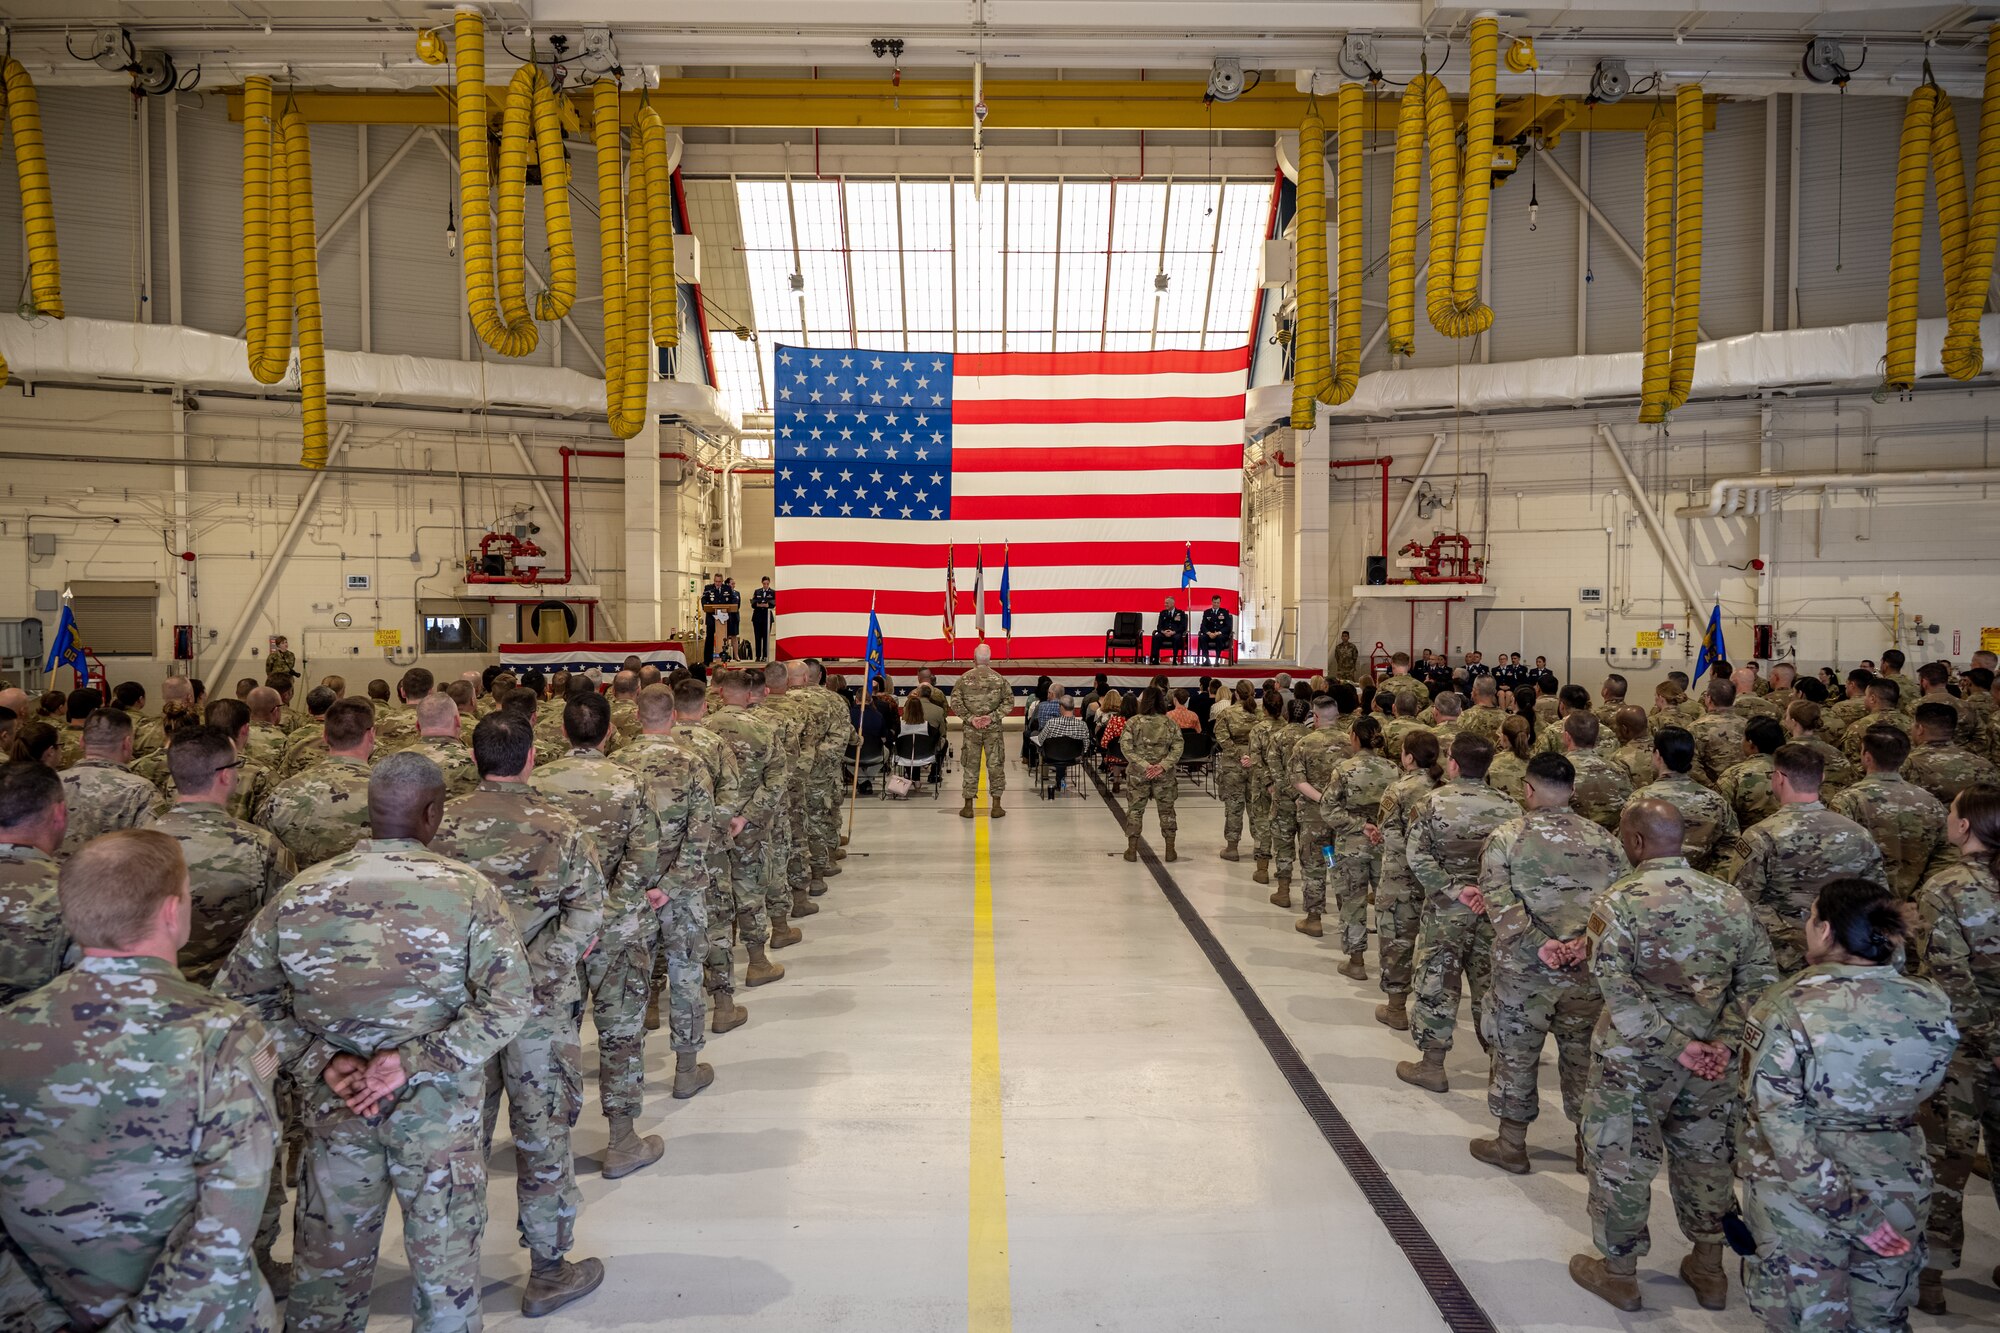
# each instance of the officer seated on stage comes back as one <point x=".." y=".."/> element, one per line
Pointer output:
<point x="1170" y="631"/>
<point x="1218" y="630"/>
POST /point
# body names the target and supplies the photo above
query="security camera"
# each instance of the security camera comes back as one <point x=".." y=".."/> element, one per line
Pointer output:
<point x="1225" y="79"/>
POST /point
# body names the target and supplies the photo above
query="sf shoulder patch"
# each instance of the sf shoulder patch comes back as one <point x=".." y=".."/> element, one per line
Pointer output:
<point x="1753" y="1036"/>
<point x="265" y="1062"/>
<point x="1600" y="921"/>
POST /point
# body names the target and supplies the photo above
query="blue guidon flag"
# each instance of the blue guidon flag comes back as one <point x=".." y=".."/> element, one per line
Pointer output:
<point x="1086" y="468"/>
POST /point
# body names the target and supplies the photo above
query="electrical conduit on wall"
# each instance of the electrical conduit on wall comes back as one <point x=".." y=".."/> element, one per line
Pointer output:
<point x="31" y="171"/>
<point x="1966" y="231"/>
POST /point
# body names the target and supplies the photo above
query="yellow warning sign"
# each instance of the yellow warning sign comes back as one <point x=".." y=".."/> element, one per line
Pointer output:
<point x="388" y="638"/>
<point x="1989" y="639"/>
<point x="1649" y="638"/>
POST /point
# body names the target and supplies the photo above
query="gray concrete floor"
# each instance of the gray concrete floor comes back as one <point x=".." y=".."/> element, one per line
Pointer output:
<point x="1160" y="1175"/>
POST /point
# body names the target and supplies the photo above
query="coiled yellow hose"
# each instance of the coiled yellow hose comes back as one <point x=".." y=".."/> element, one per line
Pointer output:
<point x="529" y="121"/>
<point x="664" y="294"/>
<point x="1461" y="190"/>
<point x="38" y="214"/>
<point x="625" y="355"/>
<point x="281" y="261"/>
<point x="1967" y="229"/>
<point x="1346" y="376"/>
<point x="1311" y="374"/>
<point x="1657" y="281"/>
<point x="1688" y="174"/>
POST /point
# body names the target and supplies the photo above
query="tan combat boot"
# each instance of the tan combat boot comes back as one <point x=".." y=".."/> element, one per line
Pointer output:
<point x="1309" y="925"/>
<point x="1131" y="847"/>
<point x="816" y="886"/>
<point x="802" y="903"/>
<point x="690" y="1077"/>
<point x="1395" y="1014"/>
<point x="965" y="811"/>
<point x="1702" y="1270"/>
<point x="1427" y="1073"/>
<point x="994" y="810"/>
<point x="1262" y="875"/>
<point x="1509" y="1152"/>
<point x="783" y="934"/>
<point x="1229" y="852"/>
<point x="628" y="1152"/>
<point x="1282" y="895"/>
<point x="1614" y="1281"/>
<point x="761" y="970"/>
<point x="840" y="852"/>
<point x="554" y="1283"/>
<point x="1168" y="839"/>
<point x="726" y="1014"/>
<point x="1930" y="1290"/>
<point x="1356" y="967"/>
<point x="653" y="1013"/>
<point x="820" y="880"/>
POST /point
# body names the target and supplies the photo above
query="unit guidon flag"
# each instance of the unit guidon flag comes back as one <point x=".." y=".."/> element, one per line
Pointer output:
<point x="1094" y="477"/>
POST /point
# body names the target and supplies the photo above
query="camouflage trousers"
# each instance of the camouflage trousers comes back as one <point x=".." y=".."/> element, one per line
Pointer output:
<point x="798" y="851"/>
<point x="1636" y="1112"/>
<point x="746" y="881"/>
<point x="1804" y="1281"/>
<point x="992" y="743"/>
<point x="683" y="952"/>
<point x="618" y="979"/>
<point x="824" y="818"/>
<point x="1953" y="1119"/>
<point x="1398" y="908"/>
<point x="776" y="877"/>
<point x="1352" y="875"/>
<point x="1284" y="830"/>
<point x="291" y="1153"/>
<point x="426" y="1152"/>
<point x="1142" y="790"/>
<point x="539" y="1072"/>
<point x="1524" y="1009"/>
<point x="1232" y="783"/>
<point x="1452" y="943"/>
<point x="719" y="960"/>
<point x="1260" y="814"/>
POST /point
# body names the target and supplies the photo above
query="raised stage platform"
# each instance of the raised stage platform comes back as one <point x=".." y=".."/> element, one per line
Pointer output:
<point x="1073" y="676"/>
<point x="605" y="655"/>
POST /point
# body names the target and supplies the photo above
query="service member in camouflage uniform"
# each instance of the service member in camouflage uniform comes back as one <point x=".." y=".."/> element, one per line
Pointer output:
<point x="542" y="866"/>
<point x="307" y="746"/>
<point x="1483" y="719"/>
<point x="1907" y="689"/>
<point x="1234" y="763"/>
<point x="1447" y="831"/>
<point x="624" y="708"/>
<point x="760" y="788"/>
<point x="397" y="728"/>
<point x="233" y="867"/>
<point x="1934" y="678"/>
<point x="255" y="780"/>
<point x="610" y="804"/>
<point x="323" y="811"/>
<point x="682" y="799"/>
<point x="799" y="746"/>
<point x="1270" y="717"/>
<point x="1284" y="798"/>
<point x="1718" y="733"/>
<point x="1906" y="822"/>
<point x="1399" y="899"/>
<point x="78" y="705"/>
<point x="1309" y="774"/>
<point x="1678" y="959"/>
<point x="268" y="738"/>
<point x="33" y="939"/>
<point x="1746" y="784"/>
<point x="1940" y="765"/>
<point x="1152" y="743"/>
<point x="1781" y="863"/>
<point x="1836" y="1063"/>
<point x="441" y="739"/>
<point x="1634" y="755"/>
<point x="1959" y="930"/>
<point x="389" y="976"/>
<point x="1611" y="695"/>
<point x="1802" y="724"/>
<point x="1708" y="825"/>
<point x="981" y="700"/>
<point x="1400" y="681"/>
<point x="823" y="786"/>
<point x="1347" y="805"/>
<point x="137" y="1112"/>
<point x="1347" y="660"/>
<point x="1882" y="712"/>
<point x="1601" y="787"/>
<point x="781" y="860"/>
<point x="1539" y="877"/>
<point x="102" y="792"/>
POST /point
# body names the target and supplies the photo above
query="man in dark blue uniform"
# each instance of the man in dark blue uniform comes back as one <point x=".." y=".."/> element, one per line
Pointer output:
<point x="1218" y="630"/>
<point x="763" y="610"/>
<point x="734" y="601"/>
<point x="714" y="598"/>
<point x="1170" y="631"/>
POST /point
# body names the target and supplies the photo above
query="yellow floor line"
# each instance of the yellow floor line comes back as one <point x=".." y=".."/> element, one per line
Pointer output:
<point x="989" y="1301"/>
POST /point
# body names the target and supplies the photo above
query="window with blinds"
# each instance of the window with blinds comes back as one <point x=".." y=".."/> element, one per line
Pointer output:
<point x="117" y="617"/>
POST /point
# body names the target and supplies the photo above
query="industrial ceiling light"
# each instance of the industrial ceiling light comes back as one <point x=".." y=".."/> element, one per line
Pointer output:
<point x="798" y="281"/>
<point x="1160" y="281"/>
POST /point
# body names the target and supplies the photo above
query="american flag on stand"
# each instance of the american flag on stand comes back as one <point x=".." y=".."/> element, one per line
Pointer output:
<point x="1098" y="474"/>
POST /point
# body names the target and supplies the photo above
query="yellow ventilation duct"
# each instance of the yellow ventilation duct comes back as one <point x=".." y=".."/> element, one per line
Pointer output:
<point x="529" y="122"/>
<point x="1311" y="374"/>
<point x="1966" y="229"/>
<point x="1346" y="376"/>
<point x="281" y="261"/>
<point x="663" y="298"/>
<point x="626" y="351"/>
<point x="1671" y="283"/>
<point x="1461" y="190"/>
<point x="38" y="214"/>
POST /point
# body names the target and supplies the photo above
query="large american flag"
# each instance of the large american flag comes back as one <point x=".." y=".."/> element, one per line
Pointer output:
<point x="1098" y="470"/>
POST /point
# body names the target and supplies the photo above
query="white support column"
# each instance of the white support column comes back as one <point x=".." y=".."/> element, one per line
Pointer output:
<point x="644" y="615"/>
<point x="1311" y="545"/>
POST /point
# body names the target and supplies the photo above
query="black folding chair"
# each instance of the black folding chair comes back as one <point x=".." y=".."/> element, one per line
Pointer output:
<point x="1054" y="758"/>
<point x="913" y="756"/>
<point x="1197" y="757"/>
<point x="872" y="759"/>
<point x="1125" y="635"/>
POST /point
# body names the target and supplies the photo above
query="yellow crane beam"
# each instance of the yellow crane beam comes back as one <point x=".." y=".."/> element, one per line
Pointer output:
<point x="1025" y="104"/>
